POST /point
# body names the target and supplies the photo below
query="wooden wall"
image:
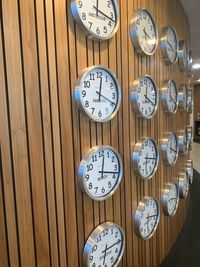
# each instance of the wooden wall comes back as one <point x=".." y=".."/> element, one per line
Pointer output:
<point x="44" y="217"/>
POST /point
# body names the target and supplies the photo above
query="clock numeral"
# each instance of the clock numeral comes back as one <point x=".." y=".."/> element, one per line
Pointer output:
<point x="90" y="258"/>
<point x="111" y="15"/>
<point x="112" y="259"/>
<point x="94" y="248"/>
<point x="111" y="86"/>
<point x="93" y="109"/>
<point x="83" y="93"/>
<point x="80" y="4"/>
<point x="90" y="167"/>
<point x="87" y="177"/>
<point x="105" y="232"/>
<point x="96" y="189"/>
<point x="87" y="104"/>
<point x="99" y="239"/>
<point x="90" y="24"/>
<point x="103" y="190"/>
<point x="92" y="78"/>
<point x="98" y="30"/>
<point x="83" y="16"/>
<point x="113" y="159"/>
<point x="105" y="30"/>
<point x="106" y="110"/>
<point x="109" y="184"/>
<point x="90" y="186"/>
<point x="94" y="158"/>
<point x="110" y="23"/>
<point x="86" y="84"/>
<point x="99" y="74"/>
<point x="108" y="4"/>
<point x="113" y="95"/>
<point x="101" y="153"/>
<point x="100" y="114"/>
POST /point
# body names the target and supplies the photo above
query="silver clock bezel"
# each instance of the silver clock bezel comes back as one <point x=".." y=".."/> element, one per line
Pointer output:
<point x="82" y="170"/>
<point x="134" y="32"/>
<point x="138" y="213"/>
<point x="164" y="97"/>
<point x="134" y="97"/>
<point x="86" y="31"/>
<point x="183" y="104"/>
<point x="165" y="199"/>
<point x="189" y="168"/>
<point x="77" y="92"/>
<point x="182" y="141"/>
<point x="183" y="66"/>
<point x="95" y="233"/>
<point x="135" y="158"/>
<point x="181" y="184"/>
<point x="163" y="45"/>
<point x="164" y="148"/>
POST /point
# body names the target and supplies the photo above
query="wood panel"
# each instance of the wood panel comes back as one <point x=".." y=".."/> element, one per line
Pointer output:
<point x="45" y="219"/>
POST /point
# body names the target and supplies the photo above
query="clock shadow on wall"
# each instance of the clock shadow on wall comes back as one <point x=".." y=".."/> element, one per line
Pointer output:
<point x="186" y="250"/>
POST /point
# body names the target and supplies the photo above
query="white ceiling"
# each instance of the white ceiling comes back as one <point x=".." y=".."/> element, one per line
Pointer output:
<point x="192" y="8"/>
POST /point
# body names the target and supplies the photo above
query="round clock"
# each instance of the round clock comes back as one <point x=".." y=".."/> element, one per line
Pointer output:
<point x="189" y="168"/>
<point x="182" y="141"/>
<point x="169" y="148"/>
<point x="183" y="183"/>
<point x="170" y="199"/>
<point x="143" y="32"/>
<point x="183" y="55"/>
<point x="169" y="45"/>
<point x="100" y="172"/>
<point x="144" y="97"/>
<point x="98" y="93"/>
<point x="98" y="19"/>
<point x="189" y="130"/>
<point x="105" y="246"/>
<point x="183" y="97"/>
<point x="169" y="97"/>
<point x="145" y="158"/>
<point x="147" y="217"/>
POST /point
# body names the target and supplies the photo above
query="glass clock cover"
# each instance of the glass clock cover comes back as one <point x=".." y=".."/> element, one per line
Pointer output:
<point x="105" y="246"/>
<point x="98" y="19"/>
<point x="170" y="199"/>
<point x="147" y="217"/>
<point x="169" y="148"/>
<point x="169" y="97"/>
<point x="100" y="172"/>
<point x="183" y="56"/>
<point x="183" y="183"/>
<point x="98" y="94"/>
<point x="143" y="32"/>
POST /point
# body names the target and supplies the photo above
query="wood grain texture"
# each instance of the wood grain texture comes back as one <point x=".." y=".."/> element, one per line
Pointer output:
<point x="45" y="219"/>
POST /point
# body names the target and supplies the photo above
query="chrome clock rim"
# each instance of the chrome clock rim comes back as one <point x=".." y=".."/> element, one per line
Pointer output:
<point x="164" y="91"/>
<point x="164" y="148"/>
<point x="165" y="199"/>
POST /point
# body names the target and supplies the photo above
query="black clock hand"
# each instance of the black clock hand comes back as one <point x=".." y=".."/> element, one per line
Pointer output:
<point x="148" y="223"/>
<point x="100" y="88"/>
<point x="173" y="198"/>
<point x="108" y="172"/>
<point x="106" y="98"/>
<point x="171" y="47"/>
<point x="102" y="167"/>
<point x="150" y="158"/>
<point x="118" y="241"/>
<point x="103" y="14"/>
<point x="172" y="149"/>
<point x="104" y="258"/>
<point x="97" y="8"/>
<point x="149" y="100"/>
<point x="152" y="216"/>
<point x="172" y="99"/>
<point x="146" y="34"/>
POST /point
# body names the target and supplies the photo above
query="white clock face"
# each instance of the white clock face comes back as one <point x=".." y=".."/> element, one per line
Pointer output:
<point x="145" y="158"/>
<point x="172" y="148"/>
<point x="147" y="217"/>
<point x="171" y="45"/>
<point x="105" y="246"/>
<point x="172" y="96"/>
<point x="184" y="184"/>
<point x="183" y="55"/>
<point x="100" y="18"/>
<point x="98" y="94"/>
<point x="100" y="173"/>
<point x="172" y="199"/>
<point x="144" y="32"/>
<point x="144" y="97"/>
<point x="183" y="95"/>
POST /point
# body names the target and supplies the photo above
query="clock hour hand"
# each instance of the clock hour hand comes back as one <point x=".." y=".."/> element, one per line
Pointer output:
<point x="108" y="172"/>
<point x="171" y="47"/>
<point x="151" y="216"/>
<point x="150" y="158"/>
<point x="104" y="14"/>
<point x="146" y="34"/>
<point x="173" y="149"/>
<point x="106" y="98"/>
<point x="172" y="99"/>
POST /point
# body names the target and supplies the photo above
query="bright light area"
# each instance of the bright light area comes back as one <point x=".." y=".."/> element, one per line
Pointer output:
<point x="196" y="66"/>
<point x="198" y="80"/>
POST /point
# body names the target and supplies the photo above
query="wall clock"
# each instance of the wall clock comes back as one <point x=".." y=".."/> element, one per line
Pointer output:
<point x="182" y="141"/>
<point x="169" y="148"/>
<point x="100" y="172"/>
<point x="183" y="97"/>
<point x="170" y="199"/>
<point x="98" y="19"/>
<point x="147" y="217"/>
<point x="145" y="158"/>
<point x="183" y="183"/>
<point x="105" y="246"/>
<point x="144" y="97"/>
<point x="189" y="130"/>
<point x="169" y="45"/>
<point x="169" y="97"/>
<point x="189" y="168"/>
<point x="98" y="94"/>
<point x="183" y="55"/>
<point x="143" y="32"/>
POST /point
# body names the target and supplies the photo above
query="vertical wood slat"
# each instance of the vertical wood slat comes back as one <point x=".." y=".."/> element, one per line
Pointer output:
<point x="44" y="136"/>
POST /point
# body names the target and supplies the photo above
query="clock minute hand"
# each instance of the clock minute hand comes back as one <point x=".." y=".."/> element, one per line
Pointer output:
<point x="173" y="149"/>
<point x="149" y="100"/>
<point x="171" y="46"/>
<point x="150" y="158"/>
<point x="106" y="98"/>
<point x="107" y="248"/>
<point x="146" y="34"/>
<point x="104" y="14"/>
